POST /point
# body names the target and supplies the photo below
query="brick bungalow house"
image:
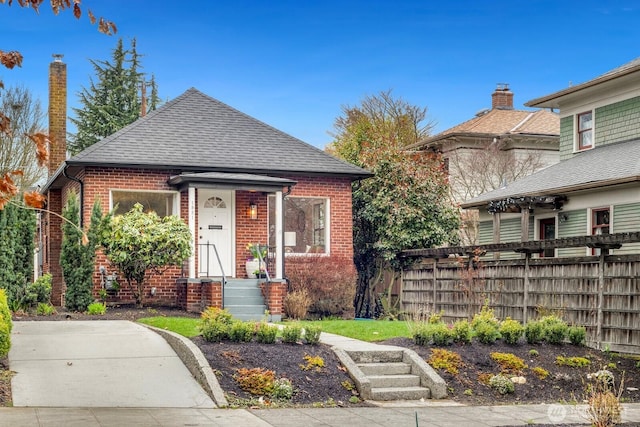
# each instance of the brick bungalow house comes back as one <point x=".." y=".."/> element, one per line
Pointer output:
<point x="233" y="179"/>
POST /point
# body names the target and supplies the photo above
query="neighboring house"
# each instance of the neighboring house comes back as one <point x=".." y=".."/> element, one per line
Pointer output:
<point x="595" y="189"/>
<point x="233" y="179"/>
<point x="496" y="147"/>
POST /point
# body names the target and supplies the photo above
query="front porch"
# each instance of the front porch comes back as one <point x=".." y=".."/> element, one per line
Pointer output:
<point x="246" y="299"/>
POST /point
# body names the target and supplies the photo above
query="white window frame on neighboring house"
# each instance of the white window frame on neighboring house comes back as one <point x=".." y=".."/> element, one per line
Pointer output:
<point x="595" y="229"/>
<point x="306" y="228"/>
<point x="147" y="198"/>
<point x="582" y="132"/>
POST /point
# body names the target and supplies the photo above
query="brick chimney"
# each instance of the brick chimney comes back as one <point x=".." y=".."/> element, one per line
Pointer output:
<point x="502" y="97"/>
<point x="57" y="113"/>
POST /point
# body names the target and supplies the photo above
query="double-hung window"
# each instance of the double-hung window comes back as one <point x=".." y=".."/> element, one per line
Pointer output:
<point x="585" y="131"/>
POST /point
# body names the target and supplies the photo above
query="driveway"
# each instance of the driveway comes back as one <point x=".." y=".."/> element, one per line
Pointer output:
<point x="106" y="363"/>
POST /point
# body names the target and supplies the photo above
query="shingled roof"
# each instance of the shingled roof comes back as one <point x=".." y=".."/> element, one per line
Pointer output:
<point x="502" y="122"/>
<point x="606" y="165"/>
<point x="195" y="132"/>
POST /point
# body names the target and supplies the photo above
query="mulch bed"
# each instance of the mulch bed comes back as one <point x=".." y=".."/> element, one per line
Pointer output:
<point x="329" y="386"/>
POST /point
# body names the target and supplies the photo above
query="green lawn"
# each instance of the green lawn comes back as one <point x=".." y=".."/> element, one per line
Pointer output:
<point x="185" y="326"/>
<point x="365" y="330"/>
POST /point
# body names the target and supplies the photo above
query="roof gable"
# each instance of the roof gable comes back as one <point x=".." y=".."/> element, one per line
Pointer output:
<point x="199" y="133"/>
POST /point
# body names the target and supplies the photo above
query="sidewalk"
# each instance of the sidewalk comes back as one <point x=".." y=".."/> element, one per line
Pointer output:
<point x="436" y="414"/>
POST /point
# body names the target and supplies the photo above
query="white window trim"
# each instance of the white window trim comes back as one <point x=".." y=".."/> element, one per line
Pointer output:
<point x="536" y="228"/>
<point x="176" y="197"/>
<point x="590" y="223"/>
<point x="576" y="126"/>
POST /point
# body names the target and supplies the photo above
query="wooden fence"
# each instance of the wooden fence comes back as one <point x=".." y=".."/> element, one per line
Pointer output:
<point x="601" y="293"/>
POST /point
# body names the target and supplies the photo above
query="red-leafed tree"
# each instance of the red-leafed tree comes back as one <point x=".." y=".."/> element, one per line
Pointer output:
<point x="11" y="59"/>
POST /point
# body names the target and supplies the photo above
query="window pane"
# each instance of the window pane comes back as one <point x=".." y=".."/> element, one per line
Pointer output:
<point x="304" y="224"/>
<point x="160" y="203"/>
<point x="584" y="121"/>
<point x="585" y="139"/>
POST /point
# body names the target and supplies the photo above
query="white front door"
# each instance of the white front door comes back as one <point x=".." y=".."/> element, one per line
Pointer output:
<point x="215" y="227"/>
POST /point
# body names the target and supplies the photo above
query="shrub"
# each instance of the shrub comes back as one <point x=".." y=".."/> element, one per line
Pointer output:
<point x="534" y="353"/>
<point x="509" y="363"/>
<point x="511" y="331"/>
<point x="5" y="313"/>
<point x="501" y="384"/>
<point x="422" y="334"/>
<point x="540" y="372"/>
<point x="312" y="334"/>
<point x="41" y="289"/>
<point x="462" y="331"/>
<point x="282" y="389"/>
<point x="441" y="334"/>
<point x="447" y="360"/>
<point x="573" y="362"/>
<point x="577" y="335"/>
<point x="486" y="326"/>
<point x="240" y="331"/>
<point x="313" y="363"/>
<point x="5" y="339"/>
<point x="603" y="401"/>
<point x="329" y="281"/>
<point x="297" y="303"/>
<point x="45" y="309"/>
<point x="291" y="334"/>
<point x="97" y="308"/>
<point x="215" y="324"/>
<point x="487" y="332"/>
<point x="256" y="381"/>
<point x="266" y="334"/>
<point x="534" y="332"/>
<point x="555" y="329"/>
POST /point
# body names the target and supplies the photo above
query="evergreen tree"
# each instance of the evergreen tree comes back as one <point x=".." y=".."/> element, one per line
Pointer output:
<point x="113" y="99"/>
<point x="76" y="259"/>
<point x="7" y="251"/>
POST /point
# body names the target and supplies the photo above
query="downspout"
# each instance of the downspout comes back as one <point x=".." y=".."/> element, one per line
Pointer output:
<point x="81" y="195"/>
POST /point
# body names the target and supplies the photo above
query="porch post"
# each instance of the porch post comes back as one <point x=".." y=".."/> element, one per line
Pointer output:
<point x="192" y="228"/>
<point x="279" y="236"/>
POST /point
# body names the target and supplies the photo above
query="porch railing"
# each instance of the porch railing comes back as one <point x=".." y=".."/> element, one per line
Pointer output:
<point x="204" y="251"/>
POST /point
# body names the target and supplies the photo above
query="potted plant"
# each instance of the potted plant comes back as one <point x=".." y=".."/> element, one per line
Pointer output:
<point x="257" y="252"/>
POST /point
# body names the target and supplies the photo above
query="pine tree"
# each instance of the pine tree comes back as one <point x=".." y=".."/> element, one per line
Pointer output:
<point x="113" y="99"/>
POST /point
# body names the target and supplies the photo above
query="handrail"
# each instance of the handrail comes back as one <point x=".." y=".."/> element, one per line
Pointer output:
<point x="262" y="261"/>
<point x="224" y="277"/>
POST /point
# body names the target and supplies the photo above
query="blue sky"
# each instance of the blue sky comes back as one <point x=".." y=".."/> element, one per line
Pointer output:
<point x="294" y="64"/>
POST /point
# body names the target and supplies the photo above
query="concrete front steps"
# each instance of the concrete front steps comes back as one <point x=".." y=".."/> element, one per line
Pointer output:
<point x="394" y="373"/>
<point x="243" y="298"/>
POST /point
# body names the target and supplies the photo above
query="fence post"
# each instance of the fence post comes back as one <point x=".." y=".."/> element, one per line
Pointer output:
<point x="525" y="296"/>
<point x="435" y="283"/>
<point x="600" y="299"/>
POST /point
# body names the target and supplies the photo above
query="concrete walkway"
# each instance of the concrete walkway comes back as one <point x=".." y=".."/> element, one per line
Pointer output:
<point x="98" y="364"/>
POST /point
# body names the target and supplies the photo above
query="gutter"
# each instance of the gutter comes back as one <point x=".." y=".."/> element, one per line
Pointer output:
<point x="554" y="191"/>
